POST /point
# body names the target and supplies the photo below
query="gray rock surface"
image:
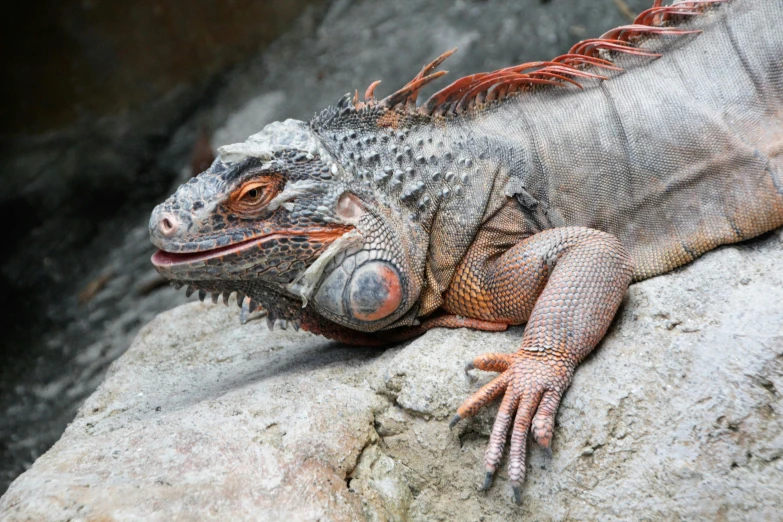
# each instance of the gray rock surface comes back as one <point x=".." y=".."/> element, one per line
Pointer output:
<point x="677" y="415"/>
<point x="340" y="46"/>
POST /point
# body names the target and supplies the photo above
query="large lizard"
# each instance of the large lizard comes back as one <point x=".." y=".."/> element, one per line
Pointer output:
<point x="533" y="194"/>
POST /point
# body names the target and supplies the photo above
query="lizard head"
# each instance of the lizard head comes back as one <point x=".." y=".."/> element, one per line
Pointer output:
<point x="280" y="219"/>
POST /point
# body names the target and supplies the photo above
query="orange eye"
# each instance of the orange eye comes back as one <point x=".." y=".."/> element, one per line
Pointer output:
<point x="251" y="191"/>
<point x="255" y="195"/>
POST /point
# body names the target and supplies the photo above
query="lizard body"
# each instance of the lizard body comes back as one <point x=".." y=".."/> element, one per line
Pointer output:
<point x="533" y="194"/>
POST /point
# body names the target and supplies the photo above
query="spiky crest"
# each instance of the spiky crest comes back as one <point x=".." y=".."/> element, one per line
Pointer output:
<point x="584" y="60"/>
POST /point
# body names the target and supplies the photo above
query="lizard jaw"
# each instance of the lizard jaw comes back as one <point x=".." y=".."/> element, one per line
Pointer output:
<point x="162" y="258"/>
<point x="173" y="265"/>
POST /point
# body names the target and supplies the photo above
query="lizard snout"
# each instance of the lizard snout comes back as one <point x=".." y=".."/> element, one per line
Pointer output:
<point x="168" y="224"/>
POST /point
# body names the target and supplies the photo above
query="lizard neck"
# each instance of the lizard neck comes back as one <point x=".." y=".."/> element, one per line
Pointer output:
<point x="434" y="181"/>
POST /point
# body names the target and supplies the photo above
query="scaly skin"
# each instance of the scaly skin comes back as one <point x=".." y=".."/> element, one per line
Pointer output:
<point x="567" y="284"/>
<point x="506" y="198"/>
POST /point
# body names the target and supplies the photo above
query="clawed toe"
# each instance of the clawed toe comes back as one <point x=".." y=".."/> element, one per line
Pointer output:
<point x="532" y="386"/>
<point x="543" y="425"/>
<point x="492" y="362"/>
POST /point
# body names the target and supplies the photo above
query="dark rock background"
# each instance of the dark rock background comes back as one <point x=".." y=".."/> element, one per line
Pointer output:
<point x="103" y="103"/>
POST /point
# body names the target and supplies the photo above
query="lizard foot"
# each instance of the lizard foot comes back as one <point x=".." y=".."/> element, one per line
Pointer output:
<point x="532" y="384"/>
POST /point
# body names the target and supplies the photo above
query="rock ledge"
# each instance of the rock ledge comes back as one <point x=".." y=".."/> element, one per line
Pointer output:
<point x="677" y="415"/>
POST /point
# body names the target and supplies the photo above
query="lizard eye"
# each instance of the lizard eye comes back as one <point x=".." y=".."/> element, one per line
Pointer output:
<point x="254" y="195"/>
<point x="251" y="192"/>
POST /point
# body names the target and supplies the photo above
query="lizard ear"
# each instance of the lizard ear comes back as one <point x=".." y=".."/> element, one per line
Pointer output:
<point x="349" y="208"/>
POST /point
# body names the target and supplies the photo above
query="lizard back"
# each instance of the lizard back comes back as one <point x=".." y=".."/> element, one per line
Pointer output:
<point x="674" y="156"/>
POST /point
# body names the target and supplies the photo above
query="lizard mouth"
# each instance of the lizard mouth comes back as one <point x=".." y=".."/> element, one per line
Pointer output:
<point x="166" y="261"/>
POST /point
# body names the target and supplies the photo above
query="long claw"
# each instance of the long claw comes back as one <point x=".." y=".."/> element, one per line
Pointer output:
<point x="469" y="366"/>
<point x="487" y="480"/>
<point x="488" y="476"/>
<point x="454" y="420"/>
<point x="548" y="452"/>
<point x="517" y="494"/>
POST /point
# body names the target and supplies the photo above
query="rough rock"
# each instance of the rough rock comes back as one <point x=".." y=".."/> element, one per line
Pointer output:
<point x="63" y="344"/>
<point x="677" y="415"/>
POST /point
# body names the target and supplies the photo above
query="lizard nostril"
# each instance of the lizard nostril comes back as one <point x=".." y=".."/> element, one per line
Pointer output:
<point x="168" y="225"/>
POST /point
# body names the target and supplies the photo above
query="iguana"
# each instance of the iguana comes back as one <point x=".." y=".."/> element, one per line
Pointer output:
<point x="533" y="194"/>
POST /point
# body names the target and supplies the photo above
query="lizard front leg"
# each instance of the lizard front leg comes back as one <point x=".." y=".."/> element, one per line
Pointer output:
<point x="567" y="284"/>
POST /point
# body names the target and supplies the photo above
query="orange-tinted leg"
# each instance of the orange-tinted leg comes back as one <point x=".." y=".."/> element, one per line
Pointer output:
<point x="567" y="283"/>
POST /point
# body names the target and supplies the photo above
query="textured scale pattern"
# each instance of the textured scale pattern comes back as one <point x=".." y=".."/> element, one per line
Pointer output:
<point x="532" y="194"/>
<point x="567" y="284"/>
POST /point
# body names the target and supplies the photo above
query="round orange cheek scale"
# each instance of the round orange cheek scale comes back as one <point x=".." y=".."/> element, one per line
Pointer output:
<point x="387" y="295"/>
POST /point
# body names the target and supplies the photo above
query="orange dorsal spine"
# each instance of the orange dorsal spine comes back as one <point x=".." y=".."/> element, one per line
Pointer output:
<point x="474" y="91"/>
